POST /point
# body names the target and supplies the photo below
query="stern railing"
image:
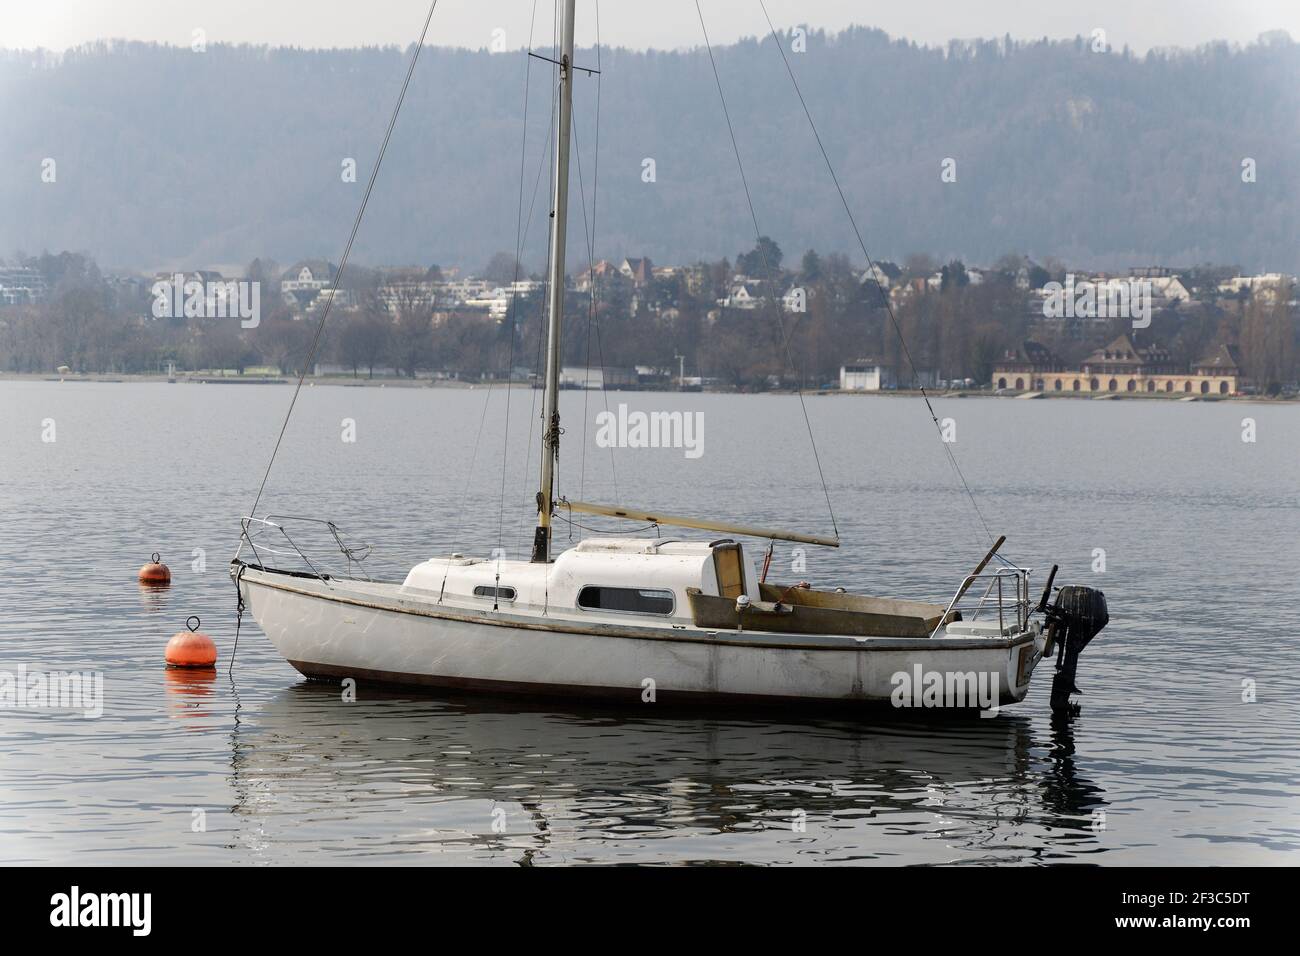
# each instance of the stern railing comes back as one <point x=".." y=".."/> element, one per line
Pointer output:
<point x="1007" y="592"/>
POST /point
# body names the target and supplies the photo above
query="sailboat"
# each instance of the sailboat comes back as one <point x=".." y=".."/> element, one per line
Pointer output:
<point x="688" y="619"/>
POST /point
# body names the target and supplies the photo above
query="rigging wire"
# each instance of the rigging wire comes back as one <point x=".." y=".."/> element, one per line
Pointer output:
<point x="593" y="314"/>
<point x="591" y="271"/>
<point x="871" y="266"/>
<point x="514" y="307"/>
<point x="533" y="415"/>
<point x="338" y="275"/>
<point x="464" y="493"/>
<point x="461" y="510"/>
<point x="785" y="340"/>
<point x="541" y="438"/>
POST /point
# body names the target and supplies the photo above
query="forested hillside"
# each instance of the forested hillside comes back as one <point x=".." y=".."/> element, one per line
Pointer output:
<point x="167" y="157"/>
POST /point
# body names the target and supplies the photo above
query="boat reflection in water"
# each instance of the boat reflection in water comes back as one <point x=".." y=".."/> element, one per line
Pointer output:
<point x="501" y="780"/>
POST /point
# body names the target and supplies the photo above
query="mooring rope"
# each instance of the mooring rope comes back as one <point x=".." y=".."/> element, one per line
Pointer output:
<point x="239" y="618"/>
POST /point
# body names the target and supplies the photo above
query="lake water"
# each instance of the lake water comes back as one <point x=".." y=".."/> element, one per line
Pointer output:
<point x="1167" y="764"/>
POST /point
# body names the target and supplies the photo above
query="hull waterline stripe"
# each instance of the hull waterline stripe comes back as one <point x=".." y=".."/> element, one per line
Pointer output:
<point x="314" y="670"/>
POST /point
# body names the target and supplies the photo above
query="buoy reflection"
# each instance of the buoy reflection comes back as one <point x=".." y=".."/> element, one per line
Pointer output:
<point x="189" y="691"/>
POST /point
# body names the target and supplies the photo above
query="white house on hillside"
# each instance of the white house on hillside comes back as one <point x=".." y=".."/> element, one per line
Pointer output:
<point x="741" y="297"/>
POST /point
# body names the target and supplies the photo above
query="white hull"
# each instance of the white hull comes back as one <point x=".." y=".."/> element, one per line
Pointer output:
<point x="383" y="632"/>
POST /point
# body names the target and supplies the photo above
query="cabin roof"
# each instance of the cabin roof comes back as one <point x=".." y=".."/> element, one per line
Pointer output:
<point x="664" y="564"/>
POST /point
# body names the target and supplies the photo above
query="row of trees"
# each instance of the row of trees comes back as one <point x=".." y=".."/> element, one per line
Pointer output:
<point x="959" y="330"/>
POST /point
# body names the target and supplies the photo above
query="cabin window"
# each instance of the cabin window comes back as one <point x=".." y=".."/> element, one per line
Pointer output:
<point x="630" y="600"/>
<point x="499" y="593"/>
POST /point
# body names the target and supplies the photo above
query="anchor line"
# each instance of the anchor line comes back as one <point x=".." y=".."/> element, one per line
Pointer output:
<point x="239" y="619"/>
<point x="780" y="323"/>
<point x="347" y="251"/>
<point x="871" y="266"/>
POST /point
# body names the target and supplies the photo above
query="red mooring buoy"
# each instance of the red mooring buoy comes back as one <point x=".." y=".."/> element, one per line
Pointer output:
<point x="155" y="573"/>
<point x="189" y="648"/>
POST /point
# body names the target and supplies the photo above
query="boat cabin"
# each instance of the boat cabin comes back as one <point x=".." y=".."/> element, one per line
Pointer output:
<point x="649" y="578"/>
<point x="665" y="582"/>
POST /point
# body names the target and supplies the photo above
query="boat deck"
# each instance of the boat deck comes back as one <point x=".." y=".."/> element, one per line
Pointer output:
<point x="399" y="598"/>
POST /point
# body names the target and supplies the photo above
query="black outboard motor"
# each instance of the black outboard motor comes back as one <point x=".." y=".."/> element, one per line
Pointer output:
<point x="1077" y="616"/>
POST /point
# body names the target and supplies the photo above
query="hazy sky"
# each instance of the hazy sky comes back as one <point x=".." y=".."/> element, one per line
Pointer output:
<point x="58" y="24"/>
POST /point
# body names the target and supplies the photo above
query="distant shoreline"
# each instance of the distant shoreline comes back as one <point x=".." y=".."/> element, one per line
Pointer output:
<point x="362" y="382"/>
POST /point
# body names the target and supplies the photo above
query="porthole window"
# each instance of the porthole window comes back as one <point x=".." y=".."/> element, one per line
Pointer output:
<point x="500" y="593"/>
<point x="628" y="600"/>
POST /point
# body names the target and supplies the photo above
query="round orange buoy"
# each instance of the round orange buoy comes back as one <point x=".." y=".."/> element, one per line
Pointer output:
<point x="155" y="572"/>
<point x="190" y="648"/>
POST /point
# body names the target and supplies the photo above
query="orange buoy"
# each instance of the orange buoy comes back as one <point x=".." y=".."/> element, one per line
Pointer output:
<point x="190" y="648"/>
<point x="155" y="573"/>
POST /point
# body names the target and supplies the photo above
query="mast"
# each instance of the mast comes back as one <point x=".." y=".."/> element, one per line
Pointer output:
<point x="559" y="223"/>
